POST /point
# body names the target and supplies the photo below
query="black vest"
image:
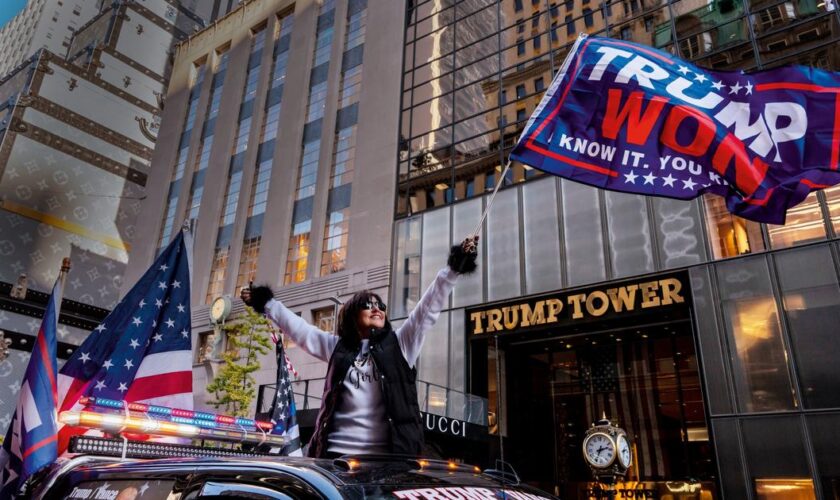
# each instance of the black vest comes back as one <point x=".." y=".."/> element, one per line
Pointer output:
<point x="398" y="382"/>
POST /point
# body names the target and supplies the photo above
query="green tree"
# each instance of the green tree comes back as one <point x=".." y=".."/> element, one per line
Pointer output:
<point x="235" y="387"/>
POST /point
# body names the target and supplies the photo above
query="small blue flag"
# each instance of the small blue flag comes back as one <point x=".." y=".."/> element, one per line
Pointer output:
<point x="31" y="440"/>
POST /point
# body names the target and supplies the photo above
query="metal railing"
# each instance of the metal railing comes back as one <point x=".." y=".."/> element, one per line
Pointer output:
<point x="432" y="398"/>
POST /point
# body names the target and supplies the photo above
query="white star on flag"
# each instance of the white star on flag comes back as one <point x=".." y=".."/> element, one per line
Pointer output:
<point x="100" y="385"/>
<point x="123" y="387"/>
<point x="134" y="343"/>
<point x="749" y="87"/>
<point x="734" y="89"/>
<point x="181" y="308"/>
<point x="162" y="285"/>
<point x="129" y="364"/>
<point x="158" y="337"/>
<point x="700" y="77"/>
<point x="718" y="85"/>
<point x="158" y="303"/>
<point x="142" y="303"/>
<point x="170" y="323"/>
<point x="669" y="181"/>
<point x="176" y="284"/>
<point x="649" y="178"/>
<point x="185" y="333"/>
<point x="107" y="364"/>
<point x="85" y="357"/>
<point x="631" y="178"/>
<point x="164" y="267"/>
<point x="689" y="184"/>
<point x="137" y="321"/>
<point x="101" y="328"/>
<point x="684" y="70"/>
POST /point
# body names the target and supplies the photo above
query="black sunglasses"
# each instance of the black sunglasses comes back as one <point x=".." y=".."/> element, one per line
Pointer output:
<point x="370" y="304"/>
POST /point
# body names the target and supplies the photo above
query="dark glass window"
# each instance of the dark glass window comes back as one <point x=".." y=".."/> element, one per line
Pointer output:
<point x="537" y="42"/>
<point x="539" y="84"/>
<point x="520" y="47"/>
<point x="555" y="11"/>
<point x="625" y="33"/>
<point x="535" y="21"/>
<point x="554" y="36"/>
<point x="504" y="96"/>
<point x="570" y="25"/>
<point x="648" y="24"/>
<point x="521" y="115"/>
<point x="759" y="357"/>
<point x="517" y="5"/>
<point x="570" y="4"/>
<point x="520" y="91"/>
<point x="470" y="189"/>
<point x="587" y="18"/>
<point x="520" y="26"/>
<point x="811" y="298"/>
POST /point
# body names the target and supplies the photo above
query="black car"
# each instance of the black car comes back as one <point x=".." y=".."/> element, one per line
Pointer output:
<point x="355" y="477"/>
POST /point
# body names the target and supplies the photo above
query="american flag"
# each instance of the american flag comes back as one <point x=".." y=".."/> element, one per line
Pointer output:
<point x="30" y="442"/>
<point x="283" y="409"/>
<point x="141" y="351"/>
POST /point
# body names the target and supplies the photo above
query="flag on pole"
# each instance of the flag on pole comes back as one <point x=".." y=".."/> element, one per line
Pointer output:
<point x="627" y="117"/>
<point x="141" y="352"/>
<point x="283" y="409"/>
<point x="30" y="442"/>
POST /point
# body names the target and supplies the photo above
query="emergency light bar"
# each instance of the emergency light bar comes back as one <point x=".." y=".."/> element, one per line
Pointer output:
<point x="177" y="415"/>
<point x="116" y="423"/>
<point x="140" y="449"/>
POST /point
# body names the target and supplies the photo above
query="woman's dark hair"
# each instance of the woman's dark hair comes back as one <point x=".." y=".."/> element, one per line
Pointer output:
<point x="346" y="322"/>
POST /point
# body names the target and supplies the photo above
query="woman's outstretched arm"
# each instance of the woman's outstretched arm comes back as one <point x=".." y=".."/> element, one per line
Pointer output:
<point x="424" y="315"/>
<point x="314" y="341"/>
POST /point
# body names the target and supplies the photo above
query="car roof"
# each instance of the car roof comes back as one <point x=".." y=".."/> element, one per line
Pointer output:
<point x="342" y="472"/>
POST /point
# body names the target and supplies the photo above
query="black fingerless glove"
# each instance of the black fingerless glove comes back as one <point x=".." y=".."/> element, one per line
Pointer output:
<point x="260" y="295"/>
<point x="460" y="261"/>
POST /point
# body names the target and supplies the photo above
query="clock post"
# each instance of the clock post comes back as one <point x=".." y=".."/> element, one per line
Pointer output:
<point x="607" y="452"/>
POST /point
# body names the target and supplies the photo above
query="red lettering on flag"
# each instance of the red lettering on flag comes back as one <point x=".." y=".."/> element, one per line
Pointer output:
<point x="748" y="174"/>
<point x="639" y="122"/>
<point x="706" y="129"/>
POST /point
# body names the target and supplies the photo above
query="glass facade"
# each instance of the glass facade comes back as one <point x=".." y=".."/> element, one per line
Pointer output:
<point x="754" y="358"/>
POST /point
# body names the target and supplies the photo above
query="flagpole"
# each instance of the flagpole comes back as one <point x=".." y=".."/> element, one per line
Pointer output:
<point x="560" y="75"/>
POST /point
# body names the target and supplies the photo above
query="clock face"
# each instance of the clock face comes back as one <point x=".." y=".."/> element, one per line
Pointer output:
<point x="625" y="455"/>
<point x="599" y="450"/>
<point x="219" y="309"/>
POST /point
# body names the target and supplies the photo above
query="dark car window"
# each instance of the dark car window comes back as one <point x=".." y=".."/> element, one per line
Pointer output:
<point x="248" y="483"/>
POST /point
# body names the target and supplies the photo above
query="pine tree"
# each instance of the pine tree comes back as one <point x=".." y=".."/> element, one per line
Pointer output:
<point x="235" y="387"/>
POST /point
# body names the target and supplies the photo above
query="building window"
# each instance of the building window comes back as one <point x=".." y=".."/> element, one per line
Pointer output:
<point x="587" y="18"/>
<point x="520" y="26"/>
<point x="217" y="273"/>
<point x="696" y="45"/>
<point x="206" y="347"/>
<point x="625" y="33"/>
<point x="649" y="24"/>
<point x="570" y="25"/>
<point x="520" y="91"/>
<point x="570" y="4"/>
<point x="539" y="85"/>
<point x="535" y="21"/>
<point x="324" y="318"/>
<point x="554" y="36"/>
<point x="520" y="47"/>
<point x="517" y="5"/>
<point x="521" y="115"/>
<point x="537" y="43"/>
<point x="730" y="235"/>
<point x="554" y="10"/>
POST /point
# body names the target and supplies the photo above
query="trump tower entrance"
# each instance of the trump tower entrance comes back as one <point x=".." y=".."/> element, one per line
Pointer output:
<point x="622" y="349"/>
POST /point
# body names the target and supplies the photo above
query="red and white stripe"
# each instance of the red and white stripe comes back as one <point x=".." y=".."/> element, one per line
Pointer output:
<point x="162" y="379"/>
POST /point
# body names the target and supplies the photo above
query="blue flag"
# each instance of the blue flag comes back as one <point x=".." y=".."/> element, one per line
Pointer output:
<point x="31" y="440"/>
<point x="626" y="117"/>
